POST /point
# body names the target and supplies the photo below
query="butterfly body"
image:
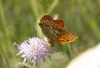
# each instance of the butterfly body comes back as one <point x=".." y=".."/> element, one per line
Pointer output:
<point x="54" y="31"/>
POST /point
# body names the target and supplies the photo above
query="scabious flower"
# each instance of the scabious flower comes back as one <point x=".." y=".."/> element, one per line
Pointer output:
<point x="34" y="49"/>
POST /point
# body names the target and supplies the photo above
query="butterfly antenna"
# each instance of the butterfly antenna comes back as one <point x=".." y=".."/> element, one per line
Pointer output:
<point x="58" y="49"/>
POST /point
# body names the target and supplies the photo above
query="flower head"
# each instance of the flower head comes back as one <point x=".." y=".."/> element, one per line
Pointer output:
<point x="34" y="49"/>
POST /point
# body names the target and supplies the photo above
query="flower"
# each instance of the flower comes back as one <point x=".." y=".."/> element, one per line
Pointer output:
<point x="34" y="49"/>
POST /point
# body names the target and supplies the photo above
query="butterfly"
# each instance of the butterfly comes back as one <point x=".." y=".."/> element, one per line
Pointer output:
<point x="54" y="31"/>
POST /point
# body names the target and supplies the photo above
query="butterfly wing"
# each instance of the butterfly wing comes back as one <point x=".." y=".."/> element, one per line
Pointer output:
<point x="49" y="28"/>
<point x="66" y="37"/>
<point x="60" y="23"/>
<point x="46" y="17"/>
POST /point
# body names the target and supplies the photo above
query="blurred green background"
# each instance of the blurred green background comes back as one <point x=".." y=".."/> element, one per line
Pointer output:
<point x="19" y="20"/>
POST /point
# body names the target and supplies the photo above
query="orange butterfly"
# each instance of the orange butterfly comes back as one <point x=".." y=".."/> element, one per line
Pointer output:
<point x="54" y="31"/>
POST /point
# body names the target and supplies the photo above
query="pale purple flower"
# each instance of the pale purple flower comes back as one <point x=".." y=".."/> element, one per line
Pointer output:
<point x="34" y="49"/>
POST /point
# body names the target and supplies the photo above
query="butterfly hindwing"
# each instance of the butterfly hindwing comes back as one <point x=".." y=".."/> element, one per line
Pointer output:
<point x="49" y="29"/>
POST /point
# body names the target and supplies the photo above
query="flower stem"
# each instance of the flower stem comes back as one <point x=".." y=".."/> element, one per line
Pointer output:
<point x="34" y="66"/>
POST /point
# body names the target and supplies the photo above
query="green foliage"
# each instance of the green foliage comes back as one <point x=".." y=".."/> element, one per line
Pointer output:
<point x="19" y="20"/>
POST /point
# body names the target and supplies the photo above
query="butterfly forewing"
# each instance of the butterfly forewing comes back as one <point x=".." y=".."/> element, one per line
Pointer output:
<point x="66" y="37"/>
<point x="46" y="17"/>
<point x="60" y="23"/>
